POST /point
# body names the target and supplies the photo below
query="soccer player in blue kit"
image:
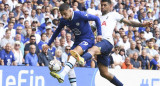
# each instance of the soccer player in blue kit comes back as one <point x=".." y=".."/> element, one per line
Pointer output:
<point x="103" y="48"/>
<point x="77" y="21"/>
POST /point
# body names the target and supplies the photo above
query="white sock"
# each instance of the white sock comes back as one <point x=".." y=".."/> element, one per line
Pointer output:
<point x="72" y="77"/>
<point x="70" y="64"/>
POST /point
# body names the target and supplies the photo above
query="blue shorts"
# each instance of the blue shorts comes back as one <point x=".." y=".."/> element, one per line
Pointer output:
<point x="85" y="44"/>
<point x="106" y="48"/>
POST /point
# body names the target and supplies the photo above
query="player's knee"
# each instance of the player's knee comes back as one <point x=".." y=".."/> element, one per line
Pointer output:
<point x="93" y="50"/>
<point x="105" y="74"/>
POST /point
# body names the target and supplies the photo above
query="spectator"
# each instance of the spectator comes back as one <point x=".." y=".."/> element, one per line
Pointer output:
<point x="150" y="50"/>
<point x="20" y="22"/>
<point x="7" y="39"/>
<point x="32" y="42"/>
<point x="19" y="31"/>
<point x="17" y="12"/>
<point x="7" y="56"/>
<point x="52" y="49"/>
<point x="48" y="32"/>
<point x="62" y="44"/>
<point x="27" y="36"/>
<point x="4" y="19"/>
<point x="144" y="60"/>
<point x="27" y="17"/>
<point x="63" y="34"/>
<point x="18" y="38"/>
<point x="33" y="15"/>
<point x="132" y="49"/>
<point x="91" y="10"/>
<point x="127" y="64"/>
<point x="44" y="57"/>
<point x="147" y="34"/>
<point x="65" y="55"/>
<point x="68" y="39"/>
<point x="17" y="53"/>
<point x="10" y="27"/>
<point x="156" y="47"/>
<point x="125" y="42"/>
<point x="36" y="25"/>
<point x="58" y="54"/>
<point x="43" y="41"/>
<point x="117" y="58"/>
<point x="157" y="38"/>
<point x="123" y="55"/>
<point x="134" y="61"/>
<point x="154" y="63"/>
<point x="139" y="46"/>
<point x="31" y="59"/>
<point x="57" y="44"/>
<point x="39" y="13"/>
<point x="2" y="9"/>
<point x="38" y="37"/>
<point x="1" y="30"/>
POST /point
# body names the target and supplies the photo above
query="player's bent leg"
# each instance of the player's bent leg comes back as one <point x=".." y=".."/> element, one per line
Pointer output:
<point x="104" y="73"/>
<point x="72" y="77"/>
<point x="69" y="65"/>
<point x="76" y="52"/>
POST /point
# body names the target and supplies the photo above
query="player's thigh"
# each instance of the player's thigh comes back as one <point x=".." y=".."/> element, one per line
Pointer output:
<point x="104" y="46"/>
<point x="83" y="46"/>
<point x="95" y="50"/>
<point x="78" y="49"/>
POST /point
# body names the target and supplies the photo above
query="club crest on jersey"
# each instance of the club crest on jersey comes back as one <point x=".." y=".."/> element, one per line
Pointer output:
<point x="77" y="23"/>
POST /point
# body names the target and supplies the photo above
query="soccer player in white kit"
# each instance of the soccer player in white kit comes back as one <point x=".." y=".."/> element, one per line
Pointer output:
<point x="103" y="48"/>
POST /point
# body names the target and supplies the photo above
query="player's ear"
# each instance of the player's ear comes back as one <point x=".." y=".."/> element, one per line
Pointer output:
<point x="70" y="10"/>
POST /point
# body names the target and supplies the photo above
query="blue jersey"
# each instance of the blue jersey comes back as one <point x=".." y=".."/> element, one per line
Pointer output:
<point x="52" y="50"/>
<point x="79" y="25"/>
<point x="8" y="58"/>
<point x="153" y="64"/>
<point x="40" y="44"/>
<point x="31" y="59"/>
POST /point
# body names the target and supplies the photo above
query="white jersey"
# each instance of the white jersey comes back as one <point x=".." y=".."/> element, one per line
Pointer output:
<point x="108" y="23"/>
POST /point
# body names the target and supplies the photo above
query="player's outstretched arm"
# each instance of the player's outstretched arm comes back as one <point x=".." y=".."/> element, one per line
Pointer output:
<point x="60" y="26"/>
<point x="89" y="17"/>
<point x="136" y="24"/>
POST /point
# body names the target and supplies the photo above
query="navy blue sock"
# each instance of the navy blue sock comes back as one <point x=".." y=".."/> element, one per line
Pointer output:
<point x="87" y="56"/>
<point x="116" y="82"/>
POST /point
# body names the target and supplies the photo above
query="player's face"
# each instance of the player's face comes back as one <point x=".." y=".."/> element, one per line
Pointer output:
<point x="66" y="14"/>
<point x="105" y="7"/>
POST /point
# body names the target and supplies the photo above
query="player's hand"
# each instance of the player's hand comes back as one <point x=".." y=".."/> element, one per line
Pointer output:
<point x="147" y="24"/>
<point x="99" y="38"/>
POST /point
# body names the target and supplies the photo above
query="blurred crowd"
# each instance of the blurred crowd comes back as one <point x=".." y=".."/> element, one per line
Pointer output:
<point x="27" y="25"/>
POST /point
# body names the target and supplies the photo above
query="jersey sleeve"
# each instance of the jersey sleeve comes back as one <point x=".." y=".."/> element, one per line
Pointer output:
<point x="118" y="17"/>
<point x="60" y="26"/>
<point x="89" y="17"/>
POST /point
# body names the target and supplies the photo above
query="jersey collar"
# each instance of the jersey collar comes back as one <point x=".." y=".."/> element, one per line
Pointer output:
<point x="72" y="15"/>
